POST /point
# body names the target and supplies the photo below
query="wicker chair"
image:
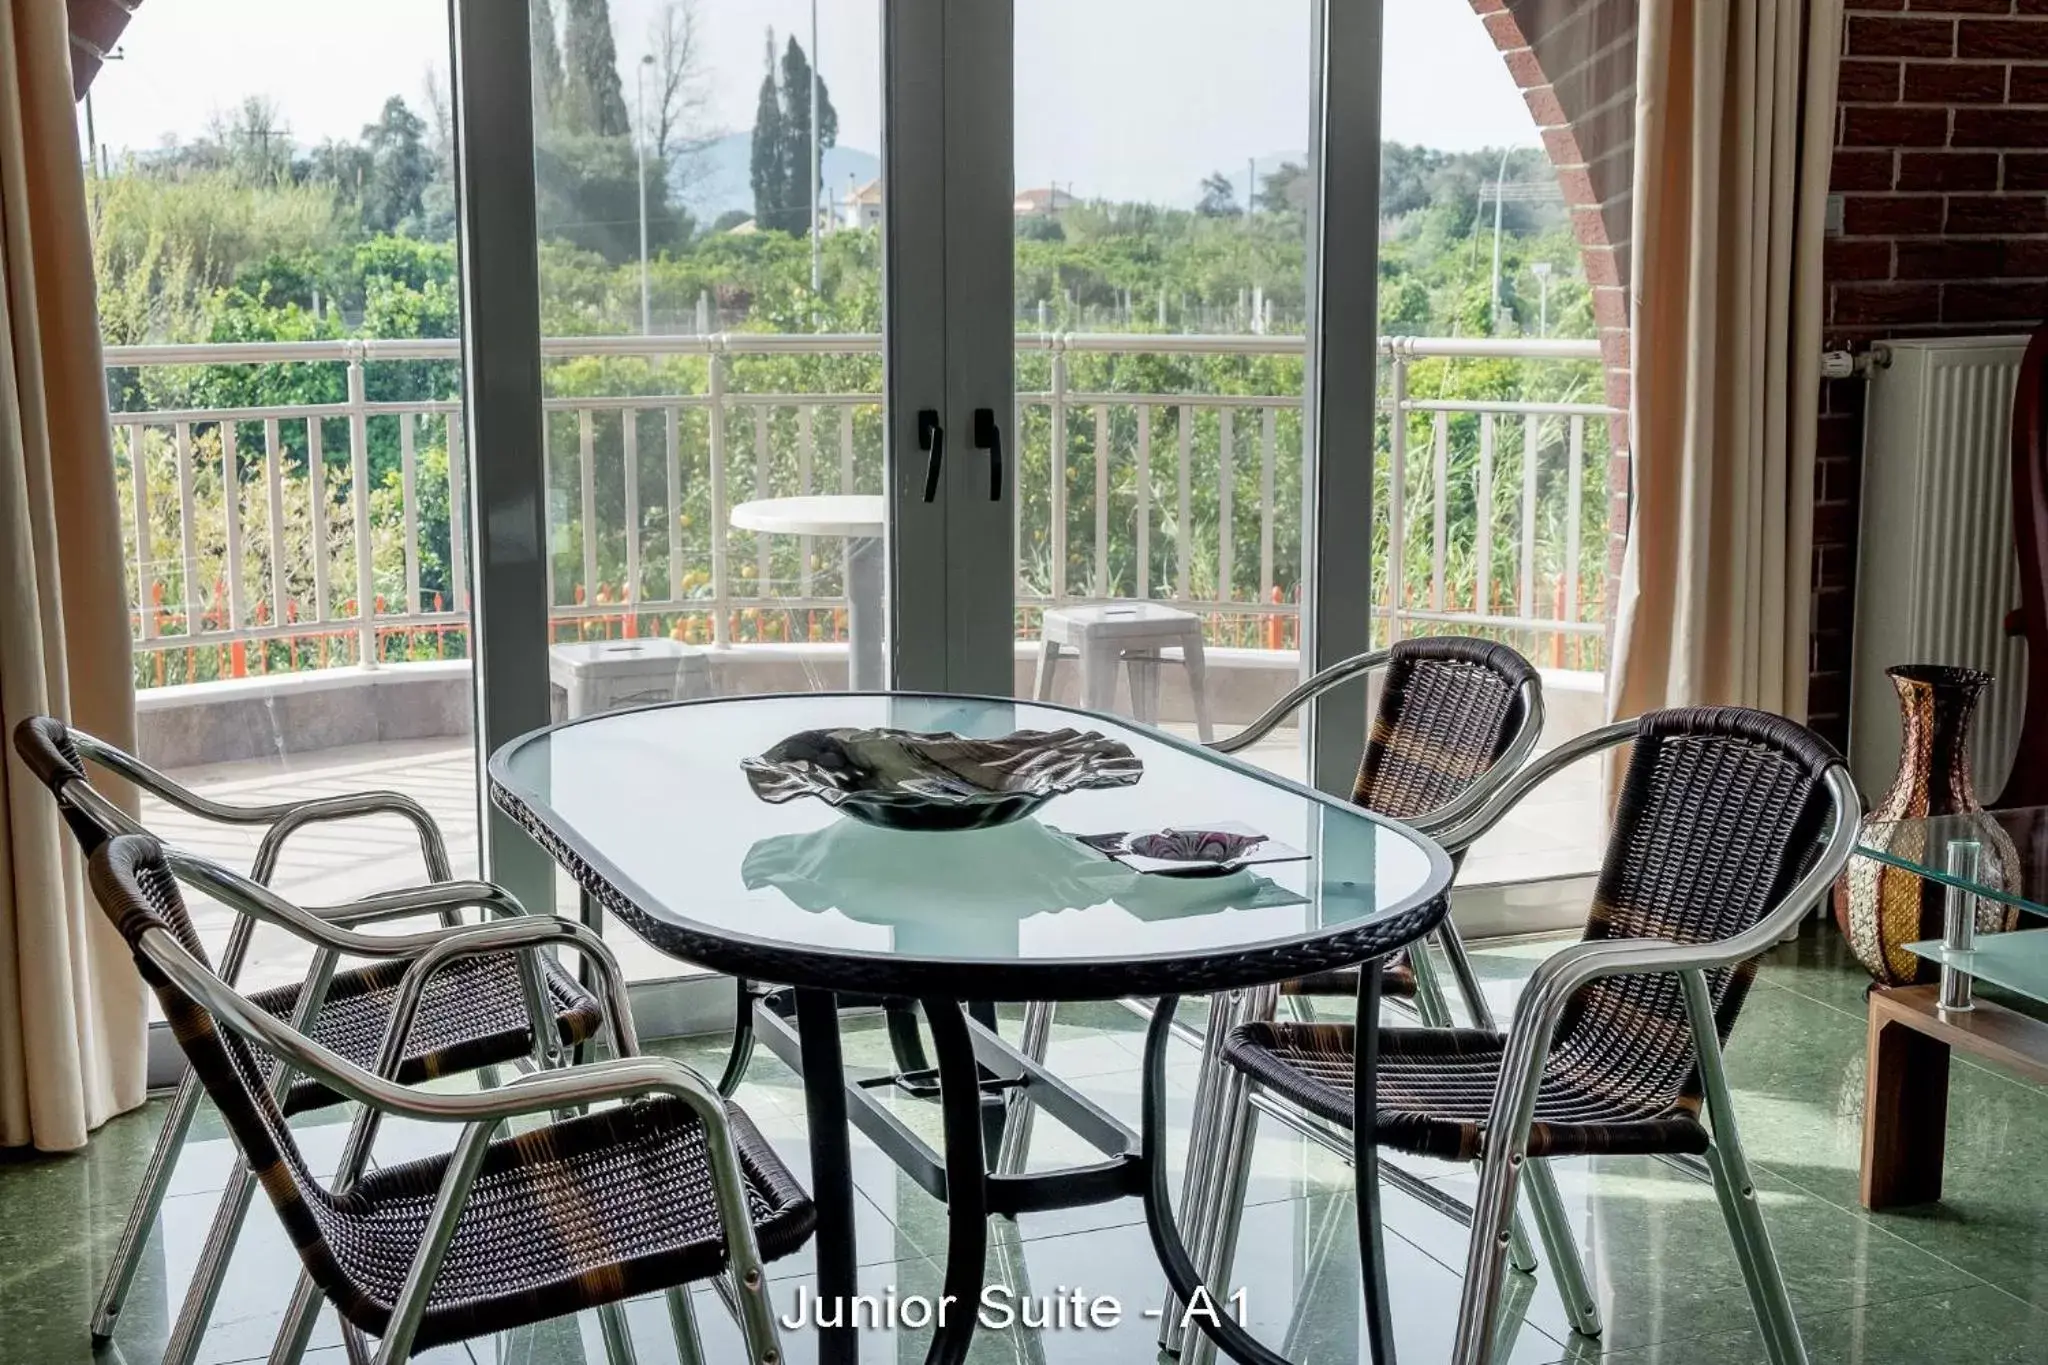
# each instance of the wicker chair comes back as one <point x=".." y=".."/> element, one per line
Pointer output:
<point x="671" y="1187"/>
<point x="1731" y="824"/>
<point x="1456" y="718"/>
<point x="475" y="1016"/>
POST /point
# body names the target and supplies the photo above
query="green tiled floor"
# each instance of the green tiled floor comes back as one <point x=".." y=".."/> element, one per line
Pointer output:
<point x="1966" y="1280"/>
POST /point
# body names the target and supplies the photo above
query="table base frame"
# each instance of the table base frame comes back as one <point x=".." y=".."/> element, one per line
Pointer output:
<point x="977" y="1072"/>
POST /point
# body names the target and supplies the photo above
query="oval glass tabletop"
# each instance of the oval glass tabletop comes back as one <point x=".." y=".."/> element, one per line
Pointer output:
<point x="652" y="813"/>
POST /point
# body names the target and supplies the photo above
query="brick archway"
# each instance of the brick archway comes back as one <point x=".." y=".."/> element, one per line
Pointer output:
<point x="1575" y="64"/>
<point x="96" y="26"/>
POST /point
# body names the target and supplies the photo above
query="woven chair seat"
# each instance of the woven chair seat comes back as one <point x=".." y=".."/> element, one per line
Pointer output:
<point x="1436" y="1087"/>
<point x="1397" y="981"/>
<point x="472" y="1015"/>
<point x="571" y="1216"/>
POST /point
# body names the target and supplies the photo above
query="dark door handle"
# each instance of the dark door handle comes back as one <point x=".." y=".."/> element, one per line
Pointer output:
<point x="931" y="438"/>
<point x="988" y="436"/>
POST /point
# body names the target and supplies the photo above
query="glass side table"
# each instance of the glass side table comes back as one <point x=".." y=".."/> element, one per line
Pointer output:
<point x="1914" y="1029"/>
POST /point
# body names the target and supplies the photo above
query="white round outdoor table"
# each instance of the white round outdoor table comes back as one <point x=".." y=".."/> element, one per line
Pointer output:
<point x="859" y="517"/>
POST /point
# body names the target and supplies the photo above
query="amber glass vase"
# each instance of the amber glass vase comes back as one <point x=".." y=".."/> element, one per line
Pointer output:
<point x="1881" y="908"/>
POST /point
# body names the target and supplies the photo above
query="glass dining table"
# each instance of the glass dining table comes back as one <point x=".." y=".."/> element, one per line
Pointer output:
<point x="814" y="911"/>
<point x="1983" y="860"/>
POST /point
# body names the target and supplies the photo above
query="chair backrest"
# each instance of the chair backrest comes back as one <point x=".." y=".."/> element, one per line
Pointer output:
<point x="137" y="890"/>
<point x="1722" y="810"/>
<point x="48" y="750"/>
<point x="1449" y="707"/>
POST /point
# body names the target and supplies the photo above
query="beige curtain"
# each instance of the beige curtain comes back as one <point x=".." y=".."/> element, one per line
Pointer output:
<point x="72" y="1021"/>
<point x="1734" y="132"/>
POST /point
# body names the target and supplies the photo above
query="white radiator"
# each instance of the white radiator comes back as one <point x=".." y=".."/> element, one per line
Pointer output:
<point x="1936" y="571"/>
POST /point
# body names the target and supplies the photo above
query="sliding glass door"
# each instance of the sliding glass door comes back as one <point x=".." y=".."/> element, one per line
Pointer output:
<point x="1142" y="339"/>
<point x="840" y="346"/>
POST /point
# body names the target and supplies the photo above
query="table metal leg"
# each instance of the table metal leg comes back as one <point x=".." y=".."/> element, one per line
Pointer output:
<point x="1959" y="923"/>
<point x="1365" y="1160"/>
<point x="1182" y="1278"/>
<point x="960" y="1099"/>
<point x="817" y="1022"/>
<point x="864" y="614"/>
<point x="591" y="911"/>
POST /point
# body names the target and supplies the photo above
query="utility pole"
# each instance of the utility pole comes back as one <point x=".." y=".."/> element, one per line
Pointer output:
<point x="92" y="137"/>
<point x="1251" y="189"/>
<point x="1541" y="270"/>
<point x="646" y="292"/>
<point x="817" y="156"/>
<point x="1500" y="185"/>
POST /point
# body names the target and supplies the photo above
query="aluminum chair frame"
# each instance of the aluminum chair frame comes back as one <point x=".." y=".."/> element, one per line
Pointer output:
<point x="1221" y="1130"/>
<point x="329" y="929"/>
<point x="1038" y="1015"/>
<point x="1537" y="1018"/>
<point x="481" y="1114"/>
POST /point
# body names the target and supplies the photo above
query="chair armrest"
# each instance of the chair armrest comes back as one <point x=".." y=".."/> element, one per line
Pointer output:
<point x="328" y="928"/>
<point x="592" y="1082"/>
<point x="355" y="805"/>
<point x="1465" y="829"/>
<point x="283" y="816"/>
<point x="527" y="934"/>
<point x="421" y="900"/>
<point x="1337" y="674"/>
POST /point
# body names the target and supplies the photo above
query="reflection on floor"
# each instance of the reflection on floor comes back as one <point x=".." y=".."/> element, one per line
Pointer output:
<point x="1966" y="1280"/>
<point x="1556" y="832"/>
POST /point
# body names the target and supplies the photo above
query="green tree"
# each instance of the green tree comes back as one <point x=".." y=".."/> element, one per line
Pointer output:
<point x="1286" y="190"/>
<point x="340" y="163"/>
<point x="1219" y="197"/>
<point x="802" y="158"/>
<point x="399" y="167"/>
<point x="782" y="167"/>
<point x="593" y="101"/>
<point x="765" y="169"/>
<point x="547" y="63"/>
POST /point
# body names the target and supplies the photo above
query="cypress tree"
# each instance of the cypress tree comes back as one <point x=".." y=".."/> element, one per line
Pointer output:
<point x="593" y="101"/>
<point x="767" y="170"/>
<point x="797" y="163"/>
<point x="547" y="64"/>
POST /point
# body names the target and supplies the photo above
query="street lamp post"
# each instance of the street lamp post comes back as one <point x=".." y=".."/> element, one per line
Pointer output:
<point x="817" y="154"/>
<point x="640" y="99"/>
<point x="1500" y="186"/>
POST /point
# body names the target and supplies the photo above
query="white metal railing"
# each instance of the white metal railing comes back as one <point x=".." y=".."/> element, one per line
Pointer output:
<point x="1142" y="526"/>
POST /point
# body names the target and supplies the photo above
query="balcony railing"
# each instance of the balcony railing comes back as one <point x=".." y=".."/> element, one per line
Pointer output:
<point x="274" y="536"/>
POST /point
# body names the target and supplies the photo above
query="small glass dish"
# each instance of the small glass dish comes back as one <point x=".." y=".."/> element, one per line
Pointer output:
<point x="1218" y="846"/>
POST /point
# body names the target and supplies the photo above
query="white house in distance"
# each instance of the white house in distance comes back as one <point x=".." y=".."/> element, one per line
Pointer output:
<point x="1042" y="203"/>
<point x="862" y="206"/>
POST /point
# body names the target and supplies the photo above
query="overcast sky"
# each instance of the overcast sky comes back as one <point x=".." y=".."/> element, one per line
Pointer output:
<point x="1119" y="98"/>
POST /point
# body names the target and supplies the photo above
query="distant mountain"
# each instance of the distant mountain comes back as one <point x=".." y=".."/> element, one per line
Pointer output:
<point x="716" y="181"/>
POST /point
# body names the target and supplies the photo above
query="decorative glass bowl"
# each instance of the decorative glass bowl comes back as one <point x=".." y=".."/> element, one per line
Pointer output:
<point x="901" y="779"/>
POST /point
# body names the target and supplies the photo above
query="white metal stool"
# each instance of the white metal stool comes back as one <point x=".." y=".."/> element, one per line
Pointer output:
<point x="604" y="675"/>
<point x="1131" y="633"/>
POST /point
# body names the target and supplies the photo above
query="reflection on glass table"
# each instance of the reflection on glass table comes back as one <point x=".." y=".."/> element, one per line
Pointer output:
<point x="1987" y="861"/>
<point x="981" y="890"/>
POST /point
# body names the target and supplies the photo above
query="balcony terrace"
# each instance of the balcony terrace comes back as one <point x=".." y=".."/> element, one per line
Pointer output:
<point x="1151" y="466"/>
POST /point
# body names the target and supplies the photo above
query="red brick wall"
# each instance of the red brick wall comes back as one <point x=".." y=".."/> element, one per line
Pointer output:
<point x="1575" y="62"/>
<point x="1941" y="160"/>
